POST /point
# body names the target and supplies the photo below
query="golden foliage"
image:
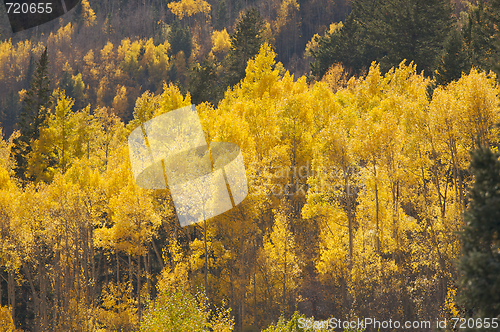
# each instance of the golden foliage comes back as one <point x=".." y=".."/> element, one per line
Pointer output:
<point x="6" y="321"/>
<point x="220" y="43"/>
<point x="188" y="8"/>
<point x="285" y="13"/>
<point x="363" y="182"/>
<point x="88" y="13"/>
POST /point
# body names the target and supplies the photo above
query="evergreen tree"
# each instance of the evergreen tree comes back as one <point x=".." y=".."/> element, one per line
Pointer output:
<point x="203" y="83"/>
<point x="414" y="30"/>
<point x="10" y="113"/>
<point x="67" y="84"/>
<point x="245" y="44"/>
<point x="480" y="262"/>
<point x="222" y="19"/>
<point x="388" y="32"/>
<point x="346" y="46"/>
<point x="180" y="39"/>
<point x="495" y="57"/>
<point x="477" y="35"/>
<point x="36" y="110"/>
<point x="454" y="60"/>
<point x="29" y="72"/>
<point x="481" y="34"/>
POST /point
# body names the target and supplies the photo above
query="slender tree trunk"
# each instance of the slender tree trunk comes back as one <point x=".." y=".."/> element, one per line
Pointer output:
<point x="67" y="276"/>
<point x="160" y="260"/>
<point x="231" y="288"/>
<point x="117" y="268"/>
<point x="345" y="294"/>
<point x="284" y="279"/>
<point x="254" y="300"/>
<point x="242" y="284"/>
<point x="97" y="277"/>
<point x="57" y="287"/>
<point x="77" y="268"/>
<point x="377" y="239"/>
<point x="139" y="286"/>
<point x="11" y="293"/>
<point x="349" y="215"/>
<point x="85" y="263"/>
<point x="206" y="252"/>
<point x="36" y="305"/>
<point x="148" y="271"/>
<point x="130" y="276"/>
<point x="93" y="281"/>
<point x="43" y="295"/>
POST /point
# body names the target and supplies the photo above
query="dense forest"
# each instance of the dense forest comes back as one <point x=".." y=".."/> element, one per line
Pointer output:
<point x="369" y="131"/>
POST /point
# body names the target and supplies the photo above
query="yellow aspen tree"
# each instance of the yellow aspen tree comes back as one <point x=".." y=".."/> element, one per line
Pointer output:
<point x="479" y="110"/>
<point x="461" y="115"/>
<point x="232" y="234"/>
<point x="67" y="136"/>
<point x="156" y="63"/>
<point x="134" y="225"/>
<point x="119" y="308"/>
<point x="188" y="8"/>
<point x="369" y="144"/>
<point x="249" y="116"/>
<point x="282" y="267"/>
<point x="88" y="14"/>
<point x="61" y="40"/>
<point x="120" y="102"/>
<point x="335" y="77"/>
<point x="285" y="13"/>
<point x="62" y="125"/>
<point x="221" y="44"/>
<point x="109" y="133"/>
<point x="172" y="99"/>
<point x="10" y="258"/>
<point x="6" y="320"/>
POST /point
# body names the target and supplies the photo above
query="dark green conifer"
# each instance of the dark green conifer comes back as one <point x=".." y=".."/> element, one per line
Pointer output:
<point x="346" y="46"/>
<point x="221" y="20"/>
<point x="388" y="31"/>
<point x="204" y="84"/>
<point x="477" y="33"/>
<point x="180" y="39"/>
<point x="480" y="262"/>
<point x="245" y="44"/>
<point x="454" y="60"/>
<point x="35" y="113"/>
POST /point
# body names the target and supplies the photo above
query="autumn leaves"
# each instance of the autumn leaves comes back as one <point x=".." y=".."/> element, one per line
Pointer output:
<point x="93" y="240"/>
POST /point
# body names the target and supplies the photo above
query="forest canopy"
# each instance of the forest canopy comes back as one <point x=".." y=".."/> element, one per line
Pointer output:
<point x="369" y="170"/>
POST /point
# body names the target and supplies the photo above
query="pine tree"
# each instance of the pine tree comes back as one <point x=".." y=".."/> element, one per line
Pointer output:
<point x="245" y="44"/>
<point x="36" y="110"/>
<point x="67" y="84"/>
<point x="203" y="83"/>
<point x="495" y="58"/>
<point x="29" y="73"/>
<point x="388" y="32"/>
<point x="10" y="112"/>
<point x="414" y="30"/>
<point x="346" y="46"/>
<point x="180" y="39"/>
<point x="477" y="34"/>
<point x="454" y="60"/>
<point x="222" y="19"/>
<point x="480" y="263"/>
